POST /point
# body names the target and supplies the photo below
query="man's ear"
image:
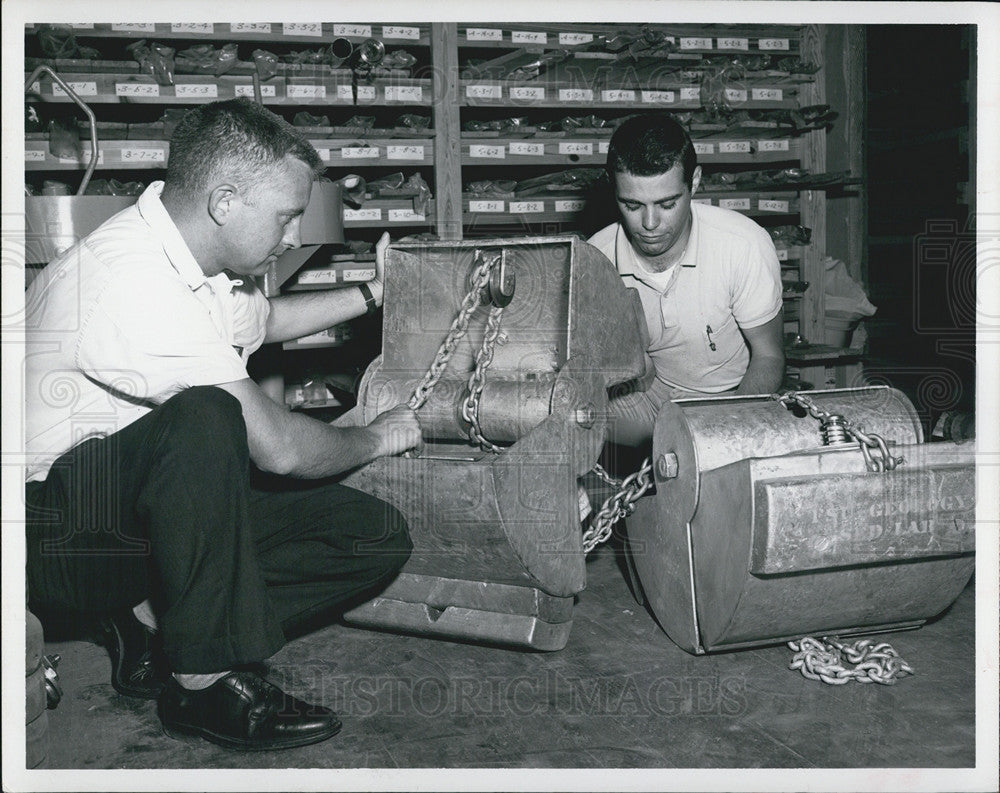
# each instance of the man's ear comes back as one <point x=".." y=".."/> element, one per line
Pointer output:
<point x="695" y="179"/>
<point x="222" y="200"/>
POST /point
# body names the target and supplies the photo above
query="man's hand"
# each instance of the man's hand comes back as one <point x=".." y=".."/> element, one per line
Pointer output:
<point x="378" y="285"/>
<point x="397" y="430"/>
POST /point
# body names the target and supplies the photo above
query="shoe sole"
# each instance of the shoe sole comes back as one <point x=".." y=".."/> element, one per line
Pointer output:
<point x="114" y="639"/>
<point x="181" y="731"/>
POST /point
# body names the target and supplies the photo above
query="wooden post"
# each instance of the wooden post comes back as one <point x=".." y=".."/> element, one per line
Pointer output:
<point x="813" y="202"/>
<point x="447" y="130"/>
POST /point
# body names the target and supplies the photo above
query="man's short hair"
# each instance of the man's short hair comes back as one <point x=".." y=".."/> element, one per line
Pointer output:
<point x="236" y="141"/>
<point x="649" y="145"/>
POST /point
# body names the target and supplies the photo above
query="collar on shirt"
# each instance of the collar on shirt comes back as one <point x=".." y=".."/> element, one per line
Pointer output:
<point x="628" y="259"/>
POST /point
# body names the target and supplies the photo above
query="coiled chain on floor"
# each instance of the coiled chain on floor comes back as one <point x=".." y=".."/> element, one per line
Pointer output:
<point x="823" y="659"/>
<point x="470" y="408"/>
<point x="619" y="505"/>
<point x="836" y="429"/>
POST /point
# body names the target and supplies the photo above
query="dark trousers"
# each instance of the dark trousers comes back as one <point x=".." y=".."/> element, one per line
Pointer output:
<point x="168" y="509"/>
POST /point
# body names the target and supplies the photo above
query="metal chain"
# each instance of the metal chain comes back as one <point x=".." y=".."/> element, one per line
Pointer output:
<point x="477" y="382"/>
<point x="880" y="462"/>
<point x="822" y="659"/>
<point x="618" y="506"/>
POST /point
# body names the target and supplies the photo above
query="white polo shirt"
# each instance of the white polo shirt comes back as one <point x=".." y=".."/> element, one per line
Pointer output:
<point x="123" y="321"/>
<point x="728" y="278"/>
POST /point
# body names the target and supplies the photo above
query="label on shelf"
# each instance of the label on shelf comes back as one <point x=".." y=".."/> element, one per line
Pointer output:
<point x="570" y="205"/>
<point x="84" y="158"/>
<point x="366" y="93"/>
<point x="766" y="94"/>
<point x="302" y="29"/>
<point x="704" y="148"/>
<point x="34" y="155"/>
<point x="772" y="44"/>
<point x="733" y="44"/>
<point x="82" y="25"/>
<point x="362" y="214"/>
<point x="359" y="153"/>
<point x="483" y="91"/>
<point x="495" y="152"/>
<point x="772" y="145"/>
<point x="658" y="97"/>
<point x="736" y="95"/>
<point x="306" y="91"/>
<point x="529" y="92"/>
<point x="528" y="37"/>
<point x="84" y="88"/>
<point x="526" y="207"/>
<point x="602" y="146"/>
<point x="772" y="205"/>
<point x="359" y="275"/>
<point x="525" y="148"/>
<point x="36" y="87"/>
<point x="734" y="147"/>
<point x="404" y="93"/>
<point x="250" y="27"/>
<point x="137" y="89"/>
<point x="192" y="27"/>
<point x="695" y="43"/>
<point x="618" y="95"/>
<point x="486" y="206"/>
<point x="198" y="90"/>
<point x="134" y="27"/>
<point x="324" y="154"/>
<point x="690" y="94"/>
<point x="734" y="203"/>
<point x="400" y="32"/>
<point x="399" y="152"/>
<point x="405" y="216"/>
<point x="576" y="95"/>
<point x="706" y="201"/>
<point x="572" y="147"/>
<point x="359" y="31"/>
<point x="131" y="154"/>
<point x="574" y="39"/>
<point x="247" y="90"/>
<point x="483" y="34"/>
<point x="782" y="254"/>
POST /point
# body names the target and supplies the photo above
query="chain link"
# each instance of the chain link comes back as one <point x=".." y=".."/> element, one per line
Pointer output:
<point x="883" y="461"/>
<point x="618" y="506"/>
<point x="477" y="382"/>
<point x="822" y="659"/>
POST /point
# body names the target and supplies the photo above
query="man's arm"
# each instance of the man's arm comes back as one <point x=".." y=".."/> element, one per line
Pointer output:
<point x="767" y="358"/>
<point x="289" y="443"/>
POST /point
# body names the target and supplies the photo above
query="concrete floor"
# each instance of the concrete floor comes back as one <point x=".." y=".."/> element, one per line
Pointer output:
<point x="619" y="695"/>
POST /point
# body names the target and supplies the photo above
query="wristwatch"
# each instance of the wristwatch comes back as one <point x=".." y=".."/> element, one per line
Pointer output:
<point x="370" y="304"/>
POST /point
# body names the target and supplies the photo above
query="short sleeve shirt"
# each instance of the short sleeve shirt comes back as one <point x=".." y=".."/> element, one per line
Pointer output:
<point x="728" y="278"/>
<point x="123" y="321"/>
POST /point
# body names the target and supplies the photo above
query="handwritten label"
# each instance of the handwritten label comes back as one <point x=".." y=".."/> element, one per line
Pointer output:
<point x="704" y="148"/>
<point x="84" y="158"/>
<point x="766" y="94"/>
<point x="302" y="28"/>
<point x="528" y="37"/>
<point x="734" y="147"/>
<point x="199" y="90"/>
<point x="36" y="87"/>
<point x="192" y="27"/>
<point x="772" y="44"/>
<point x="143" y="155"/>
<point x="736" y="95"/>
<point x="531" y="93"/>
<point x="137" y="89"/>
<point x="359" y="275"/>
<point x="483" y="34"/>
<point x="404" y="152"/>
<point x="570" y="205"/>
<point x="483" y="91"/>
<point x="602" y="146"/>
<point x="362" y="215"/>
<point x="400" y="32"/>
<point x="658" y="97"/>
<point x="527" y="149"/>
<point x="693" y="43"/>
<point x="576" y="95"/>
<point x="404" y="216"/>
<point x="772" y="205"/>
<point x="34" y="155"/>
<point x="782" y="254"/>
<point x="359" y="31"/>
<point x="134" y="27"/>
<point x="492" y="152"/>
<point x="690" y="95"/>
<point x="366" y="93"/>
<point x="772" y="145"/>
<point x="583" y="149"/>
<point x="324" y="154"/>
<point x="81" y="88"/>
<point x="733" y="44"/>
<point x="306" y="92"/>
<point x="486" y="206"/>
<point x="82" y="25"/>
<point x="526" y="207"/>
<point x="574" y="39"/>
<point x="318" y="277"/>
<point x="247" y="90"/>
<point x="618" y="95"/>
<point x="359" y="153"/>
<point x="404" y="93"/>
<point x="249" y="27"/>
<point x="706" y="201"/>
<point x="734" y="203"/>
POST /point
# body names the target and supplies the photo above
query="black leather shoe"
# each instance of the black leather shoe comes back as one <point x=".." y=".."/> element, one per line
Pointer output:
<point x="138" y="666"/>
<point x="244" y="711"/>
